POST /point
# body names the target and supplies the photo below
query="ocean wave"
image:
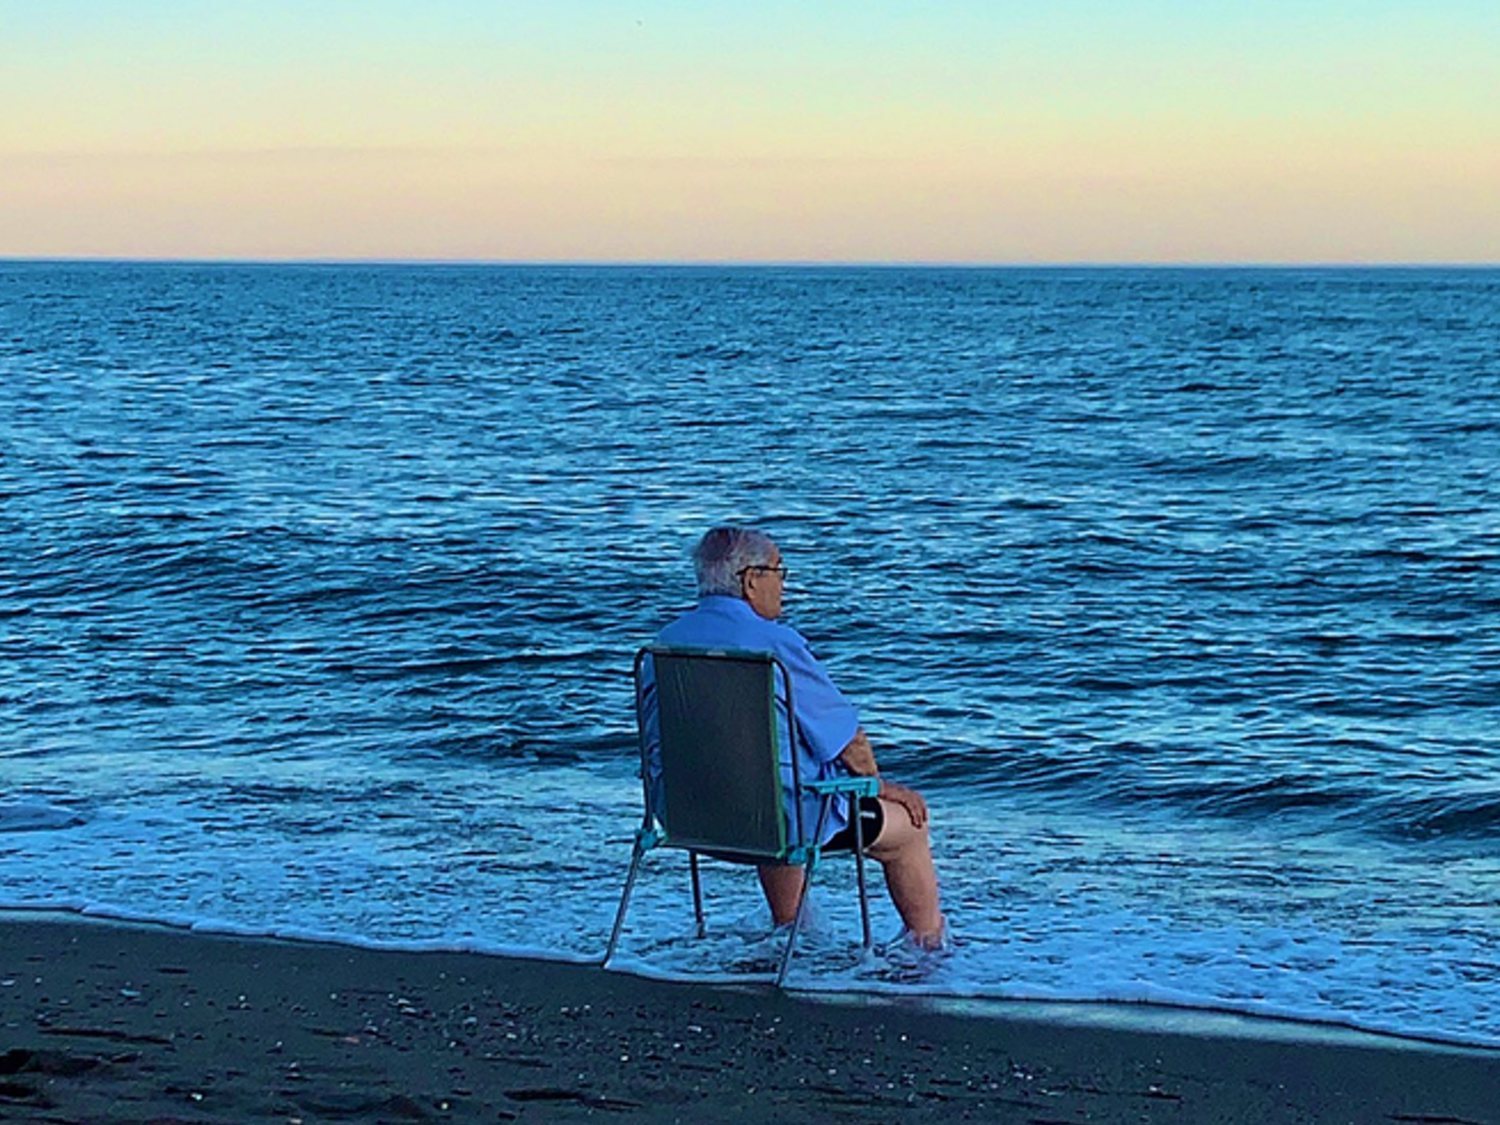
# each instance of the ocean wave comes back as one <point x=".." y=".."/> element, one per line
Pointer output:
<point x="1464" y="814"/>
<point x="35" y="816"/>
<point x="1258" y="798"/>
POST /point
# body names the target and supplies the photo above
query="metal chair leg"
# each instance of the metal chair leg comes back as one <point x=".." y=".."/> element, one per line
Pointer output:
<point x="697" y="894"/>
<point x="614" y="937"/>
<point x="791" y="938"/>
<point x="859" y="872"/>
<point x="809" y="868"/>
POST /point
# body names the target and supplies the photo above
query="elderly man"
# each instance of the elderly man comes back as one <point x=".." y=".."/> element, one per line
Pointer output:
<point x="741" y="578"/>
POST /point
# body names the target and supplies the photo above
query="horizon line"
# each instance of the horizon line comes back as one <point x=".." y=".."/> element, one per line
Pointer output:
<point x="745" y="263"/>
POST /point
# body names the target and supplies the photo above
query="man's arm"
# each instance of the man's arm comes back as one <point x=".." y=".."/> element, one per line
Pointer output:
<point x="818" y="699"/>
<point x="859" y="759"/>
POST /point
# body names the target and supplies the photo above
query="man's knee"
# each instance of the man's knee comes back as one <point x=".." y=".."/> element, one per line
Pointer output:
<point x="898" y="840"/>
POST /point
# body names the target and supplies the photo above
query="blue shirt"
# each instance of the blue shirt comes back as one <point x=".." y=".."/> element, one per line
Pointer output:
<point x="826" y="721"/>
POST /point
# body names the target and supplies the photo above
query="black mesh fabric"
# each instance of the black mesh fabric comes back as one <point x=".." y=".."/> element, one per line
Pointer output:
<point x="721" y="780"/>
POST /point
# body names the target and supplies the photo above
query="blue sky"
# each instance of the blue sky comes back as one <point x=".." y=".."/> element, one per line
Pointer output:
<point x="713" y="131"/>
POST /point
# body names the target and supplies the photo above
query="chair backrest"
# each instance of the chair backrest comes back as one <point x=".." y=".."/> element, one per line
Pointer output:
<point x="718" y="721"/>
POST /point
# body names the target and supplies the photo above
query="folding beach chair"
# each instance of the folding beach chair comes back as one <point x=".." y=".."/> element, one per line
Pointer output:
<point x="721" y="717"/>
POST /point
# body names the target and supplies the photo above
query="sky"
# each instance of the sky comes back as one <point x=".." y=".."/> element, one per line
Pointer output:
<point x="1006" y="131"/>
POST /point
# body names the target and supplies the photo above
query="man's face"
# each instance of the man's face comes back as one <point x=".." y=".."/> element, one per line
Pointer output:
<point x="764" y="585"/>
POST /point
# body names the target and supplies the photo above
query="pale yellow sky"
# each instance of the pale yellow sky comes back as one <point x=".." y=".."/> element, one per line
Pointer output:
<point x="965" y="132"/>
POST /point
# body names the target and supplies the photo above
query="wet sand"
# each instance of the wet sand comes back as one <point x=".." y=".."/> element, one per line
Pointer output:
<point x="108" y="1023"/>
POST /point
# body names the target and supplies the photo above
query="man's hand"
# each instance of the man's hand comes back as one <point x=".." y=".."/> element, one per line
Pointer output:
<point x="908" y="799"/>
<point x="859" y="759"/>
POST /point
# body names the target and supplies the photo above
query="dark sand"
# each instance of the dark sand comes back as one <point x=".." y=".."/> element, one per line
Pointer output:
<point x="102" y="1023"/>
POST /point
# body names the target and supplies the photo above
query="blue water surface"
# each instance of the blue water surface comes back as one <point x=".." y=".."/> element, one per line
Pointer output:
<point x="1175" y="590"/>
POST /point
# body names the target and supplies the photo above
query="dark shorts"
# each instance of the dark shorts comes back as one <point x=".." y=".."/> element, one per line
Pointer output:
<point x="872" y="820"/>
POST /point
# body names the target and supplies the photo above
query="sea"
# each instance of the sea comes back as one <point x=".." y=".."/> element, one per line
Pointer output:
<point x="1176" y="591"/>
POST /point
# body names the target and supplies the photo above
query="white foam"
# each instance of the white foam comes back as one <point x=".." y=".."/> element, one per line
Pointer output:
<point x="1108" y="914"/>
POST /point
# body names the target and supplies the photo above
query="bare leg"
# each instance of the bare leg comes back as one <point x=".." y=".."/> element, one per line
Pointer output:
<point x="906" y="854"/>
<point x="782" y="885"/>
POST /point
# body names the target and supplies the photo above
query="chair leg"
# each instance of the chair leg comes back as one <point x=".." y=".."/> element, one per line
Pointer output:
<point x="859" y="873"/>
<point x="614" y="937"/>
<point x="791" y="938"/>
<point x="809" y="867"/>
<point x="697" y="894"/>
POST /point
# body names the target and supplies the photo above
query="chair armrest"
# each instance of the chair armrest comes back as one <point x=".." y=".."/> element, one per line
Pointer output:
<point x="854" y="786"/>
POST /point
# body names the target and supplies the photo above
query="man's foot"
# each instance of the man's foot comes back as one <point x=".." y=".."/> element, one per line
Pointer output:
<point x="938" y="941"/>
<point x="935" y="942"/>
<point x="909" y="958"/>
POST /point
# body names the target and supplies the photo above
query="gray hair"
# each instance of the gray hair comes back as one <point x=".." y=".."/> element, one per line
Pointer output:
<point x="723" y="553"/>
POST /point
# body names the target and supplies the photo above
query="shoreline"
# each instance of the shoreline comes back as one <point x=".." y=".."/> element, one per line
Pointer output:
<point x="1124" y="1015"/>
<point x="108" y="1021"/>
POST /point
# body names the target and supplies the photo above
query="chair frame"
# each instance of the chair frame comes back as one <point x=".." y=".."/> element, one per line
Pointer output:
<point x="798" y="850"/>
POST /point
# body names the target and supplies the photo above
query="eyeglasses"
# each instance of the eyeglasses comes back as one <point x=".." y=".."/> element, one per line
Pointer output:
<point x="779" y="569"/>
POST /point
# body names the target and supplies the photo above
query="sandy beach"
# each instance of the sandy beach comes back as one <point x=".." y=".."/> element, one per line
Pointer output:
<point x="111" y="1023"/>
